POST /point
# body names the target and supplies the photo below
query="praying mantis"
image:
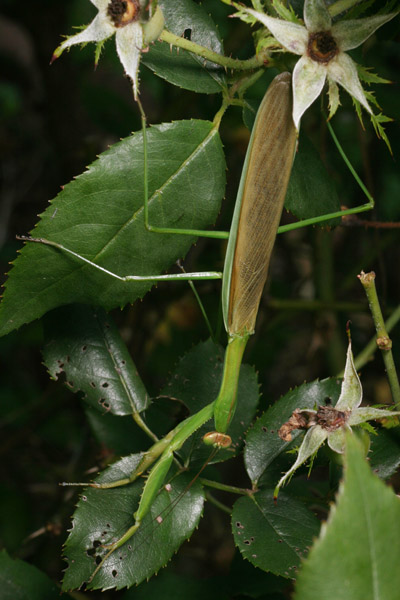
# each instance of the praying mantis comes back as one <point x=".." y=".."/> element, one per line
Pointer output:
<point x="111" y="554"/>
<point x="261" y="193"/>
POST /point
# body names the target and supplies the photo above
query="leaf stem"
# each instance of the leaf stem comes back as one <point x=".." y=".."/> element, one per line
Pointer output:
<point x="218" y="504"/>
<point x="139" y="421"/>
<point x="383" y="340"/>
<point x="224" y="487"/>
<point x="200" y="304"/>
<point x="219" y="59"/>
<point x="239" y="87"/>
<point x="365" y="355"/>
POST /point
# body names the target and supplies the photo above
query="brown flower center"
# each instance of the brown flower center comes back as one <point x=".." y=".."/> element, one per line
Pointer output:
<point x="322" y="47"/>
<point x="123" y="12"/>
<point x="330" y="418"/>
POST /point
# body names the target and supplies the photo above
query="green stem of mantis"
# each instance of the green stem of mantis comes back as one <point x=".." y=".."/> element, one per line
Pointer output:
<point x="225" y="403"/>
<point x="166" y="447"/>
<point x="351" y="168"/>
<point x="170" y="443"/>
<point x="219" y="59"/>
<point x="383" y="340"/>
<point x="203" y="310"/>
<point x="156" y="278"/>
<point x="341" y="213"/>
<point x="325" y="218"/>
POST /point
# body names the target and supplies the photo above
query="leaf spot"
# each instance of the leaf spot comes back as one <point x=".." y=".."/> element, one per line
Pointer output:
<point x="114" y="573"/>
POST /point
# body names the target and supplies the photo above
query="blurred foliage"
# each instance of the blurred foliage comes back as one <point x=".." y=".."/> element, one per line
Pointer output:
<point x="53" y="122"/>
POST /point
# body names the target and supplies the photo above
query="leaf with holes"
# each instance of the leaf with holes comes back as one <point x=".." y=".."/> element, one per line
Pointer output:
<point x="178" y="66"/>
<point x="103" y="516"/>
<point x="100" y="215"/>
<point x="196" y="381"/>
<point x="273" y="536"/>
<point x="85" y="344"/>
<point x="263" y="445"/>
<point x="358" y="552"/>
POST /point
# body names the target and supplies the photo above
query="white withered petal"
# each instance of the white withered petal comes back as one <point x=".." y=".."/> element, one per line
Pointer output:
<point x="322" y="47"/>
<point x="124" y="18"/>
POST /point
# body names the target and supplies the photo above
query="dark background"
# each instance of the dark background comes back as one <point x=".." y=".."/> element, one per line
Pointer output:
<point x="53" y="123"/>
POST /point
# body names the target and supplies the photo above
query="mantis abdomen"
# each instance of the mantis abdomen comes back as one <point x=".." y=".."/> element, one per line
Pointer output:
<point x="261" y="195"/>
<point x="259" y="203"/>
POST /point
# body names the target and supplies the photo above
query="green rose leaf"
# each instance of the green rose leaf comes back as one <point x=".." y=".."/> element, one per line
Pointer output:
<point x="273" y="536"/>
<point x="100" y="215"/>
<point x="85" y="344"/>
<point x="102" y="516"/>
<point x="22" y="581"/>
<point x="358" y="552"/>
